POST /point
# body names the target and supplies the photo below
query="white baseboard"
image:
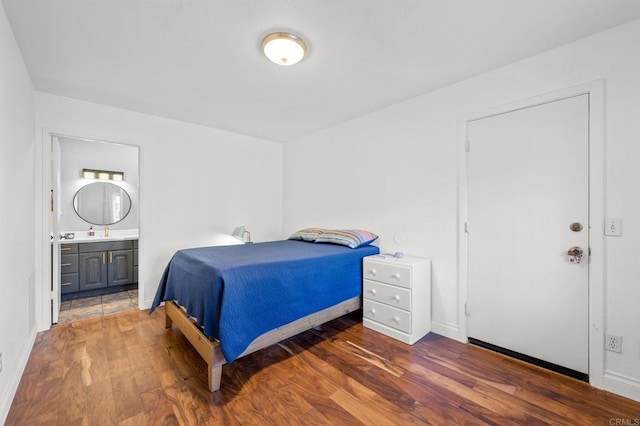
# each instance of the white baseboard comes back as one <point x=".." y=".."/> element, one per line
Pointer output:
<point x="43" y="325"/>
<point x="618" y="384"/>
<point x="14" y="380"/>
<point x="622" y="385"/>
<point x="451" y="331"/>
<point x="146" y="303"/>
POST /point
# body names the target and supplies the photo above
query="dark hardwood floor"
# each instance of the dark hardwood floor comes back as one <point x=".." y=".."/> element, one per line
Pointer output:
<point x="128" y="369"/>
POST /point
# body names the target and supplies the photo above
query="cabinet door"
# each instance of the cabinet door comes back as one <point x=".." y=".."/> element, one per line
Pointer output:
<point x="120" y="267"/>
<point x="93" y="270"/>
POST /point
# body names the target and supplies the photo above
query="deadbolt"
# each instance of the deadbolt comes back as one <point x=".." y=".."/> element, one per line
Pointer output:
<point x="576" y="227"/>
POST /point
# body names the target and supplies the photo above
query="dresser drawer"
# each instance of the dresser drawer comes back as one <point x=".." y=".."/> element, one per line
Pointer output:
<point x="68" y="263"/>
<point x="387" y="315"/>
<point x="389" y="294"/>
<point x="69" y="283"/>
<point x="385" y="273"/>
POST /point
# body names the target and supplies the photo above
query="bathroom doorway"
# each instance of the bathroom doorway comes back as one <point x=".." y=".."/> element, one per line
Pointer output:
<point x="95" y="224"/>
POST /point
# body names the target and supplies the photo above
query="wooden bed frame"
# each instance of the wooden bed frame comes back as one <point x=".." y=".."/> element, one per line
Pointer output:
<point x="210" y="350"/>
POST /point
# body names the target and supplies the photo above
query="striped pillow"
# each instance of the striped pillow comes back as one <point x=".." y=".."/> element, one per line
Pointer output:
<point x="352" y="238"/>
<point x="306" y="234"/>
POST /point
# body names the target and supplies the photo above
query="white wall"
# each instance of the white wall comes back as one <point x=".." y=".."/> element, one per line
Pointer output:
<point x="195" y="182"/>
<point x="17" y="206"/>
<point x="395" y="172"/>
<point x="76" y="155"/>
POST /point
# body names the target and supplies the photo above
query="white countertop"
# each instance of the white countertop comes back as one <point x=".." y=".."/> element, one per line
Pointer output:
<point x="114" y="235"/>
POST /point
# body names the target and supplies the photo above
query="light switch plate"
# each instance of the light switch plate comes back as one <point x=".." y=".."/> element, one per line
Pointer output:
<point x="613" y="227"/>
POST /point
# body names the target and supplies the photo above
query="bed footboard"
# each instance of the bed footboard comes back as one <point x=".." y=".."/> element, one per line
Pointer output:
<point x="211" y="352"/>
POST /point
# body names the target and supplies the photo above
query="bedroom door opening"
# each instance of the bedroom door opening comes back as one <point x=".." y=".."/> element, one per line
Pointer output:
<point x="528" y="241"/>
<point x="94" y="223"/>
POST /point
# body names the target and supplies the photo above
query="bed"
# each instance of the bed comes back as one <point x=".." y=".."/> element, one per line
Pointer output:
<point x="230" y="301"/>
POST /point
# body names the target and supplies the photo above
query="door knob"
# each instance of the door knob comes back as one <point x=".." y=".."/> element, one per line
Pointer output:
<point x="575" y="254"/>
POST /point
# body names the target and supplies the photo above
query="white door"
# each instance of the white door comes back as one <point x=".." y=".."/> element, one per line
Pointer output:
<point x="528" y="183"/>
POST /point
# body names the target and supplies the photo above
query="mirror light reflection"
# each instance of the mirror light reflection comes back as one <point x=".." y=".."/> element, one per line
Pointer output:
<point x="102" y="203"/>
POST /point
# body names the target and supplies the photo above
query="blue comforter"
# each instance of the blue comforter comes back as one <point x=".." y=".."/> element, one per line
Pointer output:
<point x="237" y="293"/>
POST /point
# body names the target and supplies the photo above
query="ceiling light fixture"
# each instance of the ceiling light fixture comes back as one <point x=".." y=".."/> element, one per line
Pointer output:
<point x="284" y="48"/>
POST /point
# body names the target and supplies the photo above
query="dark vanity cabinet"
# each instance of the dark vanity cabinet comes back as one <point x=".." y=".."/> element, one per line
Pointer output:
<point x="105" y="264"/>
<point x="97" y="265"/>
<point x="69" y="282"/>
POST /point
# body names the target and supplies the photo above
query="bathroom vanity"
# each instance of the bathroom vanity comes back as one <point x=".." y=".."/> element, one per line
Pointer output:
<point x="98" y="265"/>
<point x="98" y="260"/>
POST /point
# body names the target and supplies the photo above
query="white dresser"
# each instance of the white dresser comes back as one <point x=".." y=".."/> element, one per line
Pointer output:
<point x="397" y="296"/>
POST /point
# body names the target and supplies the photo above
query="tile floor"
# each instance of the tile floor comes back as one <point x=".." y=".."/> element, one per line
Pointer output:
<point x="96" y="306"/>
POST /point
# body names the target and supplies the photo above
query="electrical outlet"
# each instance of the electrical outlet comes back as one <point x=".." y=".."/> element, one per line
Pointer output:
<point x="613" y="343"/>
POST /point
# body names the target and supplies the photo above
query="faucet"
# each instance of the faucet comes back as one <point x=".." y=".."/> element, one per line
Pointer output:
<point x="106" y="231"/>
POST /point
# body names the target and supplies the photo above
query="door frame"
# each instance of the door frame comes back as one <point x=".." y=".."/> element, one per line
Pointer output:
<point x="46" y="253"/>
<point x="595" y="90"/>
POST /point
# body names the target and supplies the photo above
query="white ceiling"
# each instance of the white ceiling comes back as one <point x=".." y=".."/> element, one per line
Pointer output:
<point x="200" y="60"/>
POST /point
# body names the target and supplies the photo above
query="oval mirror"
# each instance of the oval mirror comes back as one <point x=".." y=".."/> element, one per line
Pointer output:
<point x="102" y="203"/>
